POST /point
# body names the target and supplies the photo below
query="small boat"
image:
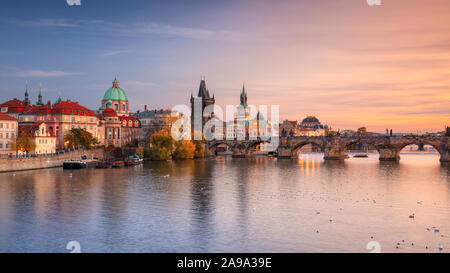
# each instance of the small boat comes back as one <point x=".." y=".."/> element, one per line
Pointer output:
<point x="83" y="163"/>
<point x="103" y="165"/>
<point x="118" y="164"/>
<point x="361" y="155"/>
<point x="272" y="154"/>
<point x="74" y="165"/>
<point x="133" y="160"/>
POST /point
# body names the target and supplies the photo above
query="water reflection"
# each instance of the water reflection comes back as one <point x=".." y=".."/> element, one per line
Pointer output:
<point x="257" y="204"/>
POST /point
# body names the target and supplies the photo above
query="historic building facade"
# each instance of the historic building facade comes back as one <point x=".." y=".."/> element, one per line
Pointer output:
<point x="8" y="133"/>
<point x="199" y="103"/>
<point x="117" y="127"/>
<point x="310" y="126"/>
<point x="153" y="121"/>
<point x="61" y="117"/>
<point x="110" y="125"/>
<point x="43" y="138"/>
<point x="246" y="124"/>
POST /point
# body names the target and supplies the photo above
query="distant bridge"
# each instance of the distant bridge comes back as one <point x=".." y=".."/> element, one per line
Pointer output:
<point x="334" y="147"/>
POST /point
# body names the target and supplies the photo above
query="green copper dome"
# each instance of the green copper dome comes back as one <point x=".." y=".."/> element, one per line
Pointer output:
<point x="115" y="93"/>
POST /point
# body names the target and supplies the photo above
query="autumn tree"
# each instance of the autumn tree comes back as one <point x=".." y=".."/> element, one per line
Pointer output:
<point x="24" y="143"/>
<point x="184" y="149"/>
<point x="199" y="150"/>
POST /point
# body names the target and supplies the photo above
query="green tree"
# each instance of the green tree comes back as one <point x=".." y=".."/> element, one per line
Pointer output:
<point x="78" y="137"/>
<point x="161" y="144"/>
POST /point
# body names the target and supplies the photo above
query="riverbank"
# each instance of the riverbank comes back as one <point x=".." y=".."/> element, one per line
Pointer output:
<point x="45" y="162"/>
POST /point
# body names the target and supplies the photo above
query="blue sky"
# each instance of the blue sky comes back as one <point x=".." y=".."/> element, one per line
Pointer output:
<point x="348" y="63"/>
<point x="155" y="48"/>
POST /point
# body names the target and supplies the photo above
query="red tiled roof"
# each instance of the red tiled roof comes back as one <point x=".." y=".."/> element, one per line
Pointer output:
<point x="39" y="110"/>
<point x="61" y="108"/>
<point x="15" y="106"/>
<point x="109" y="112"/>
<point x="128" y="118"/>
<point x="7" y="117"/>
<point x="71" y="108"/>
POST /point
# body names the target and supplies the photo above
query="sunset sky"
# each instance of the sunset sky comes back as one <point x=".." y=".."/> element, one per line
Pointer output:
<point x="349" y="63"/>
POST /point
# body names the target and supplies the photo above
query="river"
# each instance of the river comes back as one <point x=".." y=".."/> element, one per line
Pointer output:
<point x="223" y="204"/>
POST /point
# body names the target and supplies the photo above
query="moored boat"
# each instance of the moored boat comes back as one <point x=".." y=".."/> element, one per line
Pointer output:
<point x="133" y="160"/>
<point x="74" y="165"/>
<point x="103" y="165"/>
<point x="118" y="164"/>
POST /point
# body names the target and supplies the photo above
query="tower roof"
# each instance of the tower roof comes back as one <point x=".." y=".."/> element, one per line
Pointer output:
<point x="243" y="97"/>
<point x="115" y="93"/>
<point x="202" y="91"/>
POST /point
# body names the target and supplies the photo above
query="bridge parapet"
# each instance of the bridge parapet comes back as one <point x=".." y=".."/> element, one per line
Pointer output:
<point x="334" y="147"/>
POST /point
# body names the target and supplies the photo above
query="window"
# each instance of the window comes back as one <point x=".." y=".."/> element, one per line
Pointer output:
<point x="1" y="135"/>
<point x="7" y="146"/>
<point x="7" y="125"/>
<point x="116" y="106"/>
<point x="124" y="108"/>
<point x="7" y="135"/>
<point x="73" y="119"/>
<point x="1" y="145"/>
<point x="13" y="126"/>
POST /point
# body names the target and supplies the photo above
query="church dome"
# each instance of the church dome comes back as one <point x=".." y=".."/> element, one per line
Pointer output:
<point x="115" y="93"/>
<point x="310" y="119"/>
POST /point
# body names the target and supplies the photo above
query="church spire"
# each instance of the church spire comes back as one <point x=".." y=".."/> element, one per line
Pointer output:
<point x="26" y="100"/>
<point x="202" y="91"/>
<point x="58" y="100"/>
<point x="243" y="97"/>
<point x="39" y="102"/>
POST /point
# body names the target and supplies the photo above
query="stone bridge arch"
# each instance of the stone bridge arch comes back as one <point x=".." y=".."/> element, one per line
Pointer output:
<point x="296" y="147"/>
<point x="254" y="144"/>
<point x="437" y="144"/>
<point x="212" y="147"/>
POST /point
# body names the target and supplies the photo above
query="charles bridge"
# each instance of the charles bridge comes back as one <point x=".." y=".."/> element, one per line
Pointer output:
<point x="334" y="147"/>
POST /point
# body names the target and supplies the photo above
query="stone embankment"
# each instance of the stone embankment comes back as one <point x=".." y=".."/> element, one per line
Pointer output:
<point x="44" y="162"/>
